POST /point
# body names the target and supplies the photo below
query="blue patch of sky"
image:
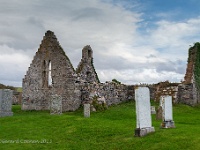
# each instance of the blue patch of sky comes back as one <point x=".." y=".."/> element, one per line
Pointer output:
<point x="156" y="10"/>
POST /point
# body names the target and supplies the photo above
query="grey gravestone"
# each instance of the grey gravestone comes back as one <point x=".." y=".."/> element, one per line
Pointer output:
<point x="153" y="110"/>
<point x="56" y="104"/>
<point x="167" y="113"/>
<point x="159" y="112"/>
<point x="6" y="96"/>
<point x="87" y="110"/>
<point x="143" y="112"/>
<point x="162" y="101"/>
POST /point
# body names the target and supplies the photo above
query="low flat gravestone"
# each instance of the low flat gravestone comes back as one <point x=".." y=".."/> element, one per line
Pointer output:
<point x="86" y="110"/>
<point x="6" y="96"/>
<point x="167" y="113"/>
<point x="143" y="112"/>
<point x="56" y="105"/>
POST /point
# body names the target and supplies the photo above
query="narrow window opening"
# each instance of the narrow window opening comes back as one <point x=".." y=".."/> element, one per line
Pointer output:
<point x="44" y="75"/>
<point x="50" y="76"/>
<point x="89" y="53"/>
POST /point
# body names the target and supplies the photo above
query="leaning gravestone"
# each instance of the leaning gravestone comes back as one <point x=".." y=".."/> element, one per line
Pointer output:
<point x="143" y="112"/>
<point x="87" y="110"/>
<point x="167" y="113"/>
<point x="6" y="96"/>
<point x="56" y="105"/>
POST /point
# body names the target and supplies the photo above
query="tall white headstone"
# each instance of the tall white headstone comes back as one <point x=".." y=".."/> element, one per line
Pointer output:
<point x="143" y="111"/>
<point x="167" y="112"/>
<point x="6" y="97"/>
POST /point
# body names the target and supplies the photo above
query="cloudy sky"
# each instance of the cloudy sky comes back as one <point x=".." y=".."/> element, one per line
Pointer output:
<point x="134" y="41"/>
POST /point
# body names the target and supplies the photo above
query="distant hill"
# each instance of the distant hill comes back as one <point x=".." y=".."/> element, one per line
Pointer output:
<point x="2" y="86"/>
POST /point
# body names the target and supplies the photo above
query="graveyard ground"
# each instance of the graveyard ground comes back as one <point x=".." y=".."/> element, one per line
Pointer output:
<point x="112" y="129"/>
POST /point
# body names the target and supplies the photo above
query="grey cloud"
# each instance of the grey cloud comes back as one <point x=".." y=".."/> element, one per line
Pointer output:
<point x="171" y="66"/>
<point x="151" y="56"/>
<point x="88" y="13"/>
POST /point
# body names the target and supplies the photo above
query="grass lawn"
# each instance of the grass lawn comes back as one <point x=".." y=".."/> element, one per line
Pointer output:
<point x="19" y="89"/>
<point x="112" y="129"/>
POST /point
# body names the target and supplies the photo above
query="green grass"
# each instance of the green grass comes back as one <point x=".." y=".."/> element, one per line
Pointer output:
<point x="112" y="129"/>
<point x="19" y="89"/>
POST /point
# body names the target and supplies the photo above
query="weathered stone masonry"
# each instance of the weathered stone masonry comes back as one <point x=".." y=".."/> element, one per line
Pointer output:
<point x="51" y="73"/>
<point x="50" y="62"/>
<point x="86" y="70"/>
<point x="189" y="90"/>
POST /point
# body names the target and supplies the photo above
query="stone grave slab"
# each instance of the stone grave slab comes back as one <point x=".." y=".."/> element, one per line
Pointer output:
<point x="87" y="110"/>
<point x="143" y="112"/>
<point x="6" y="97"/>
<point x="56" y="105"/>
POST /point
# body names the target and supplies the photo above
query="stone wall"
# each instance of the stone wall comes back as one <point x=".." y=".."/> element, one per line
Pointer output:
<point x="189" y="90"/>
<point x="166" y="88"/>
<point x="109" y="92"/>
<point x="187" y="94"/>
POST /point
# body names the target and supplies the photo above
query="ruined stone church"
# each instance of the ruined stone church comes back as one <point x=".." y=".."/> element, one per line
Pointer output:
<point x="51" y="73"/>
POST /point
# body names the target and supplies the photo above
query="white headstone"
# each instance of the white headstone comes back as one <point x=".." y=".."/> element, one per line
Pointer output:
<point x="6" y="97"/>
<point x="167" y="113"/>
<point x="142" y="97"/>
<point x="87" y="110"/>
<point x="56" y="104"/>
<point x="143" y="111"/>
